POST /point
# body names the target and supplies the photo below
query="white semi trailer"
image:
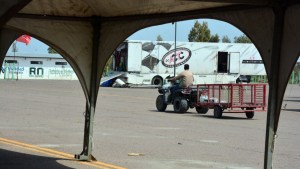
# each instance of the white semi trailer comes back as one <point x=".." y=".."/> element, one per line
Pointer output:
<point x="145" y="62"/>
<point x="148" y="63"/>
<point x="36" y="66"/>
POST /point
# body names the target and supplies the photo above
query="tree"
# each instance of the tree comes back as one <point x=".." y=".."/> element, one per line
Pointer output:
<point x="214" y="38"/>
<point x="159" y="38"/>
<point x="297" y="71"/>
<point x="242" y="39"/>
<point x="193" y="32"/>
<point x="108" y="66"/>
<point x="199" y="33"/>
<point x="297" y="67"/>
<point x="51" y="50"/>
<point x="225" y="39"/>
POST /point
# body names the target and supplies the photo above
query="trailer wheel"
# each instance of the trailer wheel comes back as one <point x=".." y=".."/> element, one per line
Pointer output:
<point x="249" y="114"/>
<point x="218" y="112"/>
<point x="157" y="80"/>
<point x="201" y="110"/>
<point x="160" y="103"/>
<point x="180" y="105"/>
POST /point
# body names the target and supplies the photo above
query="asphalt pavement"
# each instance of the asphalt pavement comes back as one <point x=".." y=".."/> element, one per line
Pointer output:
<point x="42" y="121"/>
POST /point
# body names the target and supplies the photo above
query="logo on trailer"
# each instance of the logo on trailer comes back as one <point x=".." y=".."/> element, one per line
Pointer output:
<point x="182" y="56"/>
<point x="36" y="72"/>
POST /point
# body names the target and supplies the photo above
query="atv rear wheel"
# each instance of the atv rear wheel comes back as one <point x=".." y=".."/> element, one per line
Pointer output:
<point x="180" y="105"/>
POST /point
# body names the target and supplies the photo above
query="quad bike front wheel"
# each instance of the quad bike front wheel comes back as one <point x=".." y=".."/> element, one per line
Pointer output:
<point x="160" y="103"/>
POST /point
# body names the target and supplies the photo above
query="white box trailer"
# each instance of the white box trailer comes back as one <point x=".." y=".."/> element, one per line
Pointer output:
<point x="145" y="62"/>
<point x="36" y="66"/>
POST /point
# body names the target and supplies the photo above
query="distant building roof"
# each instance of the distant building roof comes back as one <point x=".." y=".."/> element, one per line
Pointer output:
<point x="33" y="55"/>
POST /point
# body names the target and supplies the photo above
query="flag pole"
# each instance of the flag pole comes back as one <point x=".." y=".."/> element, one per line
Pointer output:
<point x="175" y="49"/>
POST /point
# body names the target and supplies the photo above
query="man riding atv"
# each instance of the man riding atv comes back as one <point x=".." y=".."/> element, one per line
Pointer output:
<point x="183" y="96"/>
<point x="186" y="79"/>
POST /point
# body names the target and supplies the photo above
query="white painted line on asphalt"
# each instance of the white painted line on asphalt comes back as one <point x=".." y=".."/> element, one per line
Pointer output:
<point x="209" y="141"/>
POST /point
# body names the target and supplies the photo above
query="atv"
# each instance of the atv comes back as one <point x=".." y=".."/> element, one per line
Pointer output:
<point x="182" y="99"/>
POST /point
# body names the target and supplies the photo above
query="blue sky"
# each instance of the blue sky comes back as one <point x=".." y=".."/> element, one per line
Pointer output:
<point x="167" y="32"/>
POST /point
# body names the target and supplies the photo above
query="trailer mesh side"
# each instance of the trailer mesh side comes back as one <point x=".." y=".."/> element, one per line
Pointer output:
<point x="244" y="96"/>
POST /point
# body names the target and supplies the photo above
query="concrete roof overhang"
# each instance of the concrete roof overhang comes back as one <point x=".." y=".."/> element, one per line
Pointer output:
<point x="86" y="32"/>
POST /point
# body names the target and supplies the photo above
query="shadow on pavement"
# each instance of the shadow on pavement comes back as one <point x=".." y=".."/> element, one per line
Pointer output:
<point x="224" y="117"/>
<point x="170" y="112"/>
<point x="291" y="100"/>
<point x="16" y="160"/>
<point x="295" y="110"/>
<point x="294" y="97"/>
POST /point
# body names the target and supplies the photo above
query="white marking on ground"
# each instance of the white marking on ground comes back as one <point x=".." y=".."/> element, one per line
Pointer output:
<point x="167" y="128"/>
<point x="192" y="164"/>
<point x="209" y="141"/>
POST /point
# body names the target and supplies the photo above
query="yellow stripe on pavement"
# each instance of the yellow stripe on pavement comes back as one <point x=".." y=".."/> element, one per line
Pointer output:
<point x="55" y="153"/>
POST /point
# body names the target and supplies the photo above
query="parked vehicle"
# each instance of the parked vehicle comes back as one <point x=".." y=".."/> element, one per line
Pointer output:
<point x="145" y="62"/>
<point x="36" y="66"/>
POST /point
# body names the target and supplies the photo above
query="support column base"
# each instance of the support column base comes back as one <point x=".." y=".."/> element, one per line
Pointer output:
<point x="82" y="157"/>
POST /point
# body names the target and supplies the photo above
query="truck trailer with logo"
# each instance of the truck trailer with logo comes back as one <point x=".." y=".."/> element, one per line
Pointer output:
<point x="149" y="63"/>
<point x="17" y="65"/>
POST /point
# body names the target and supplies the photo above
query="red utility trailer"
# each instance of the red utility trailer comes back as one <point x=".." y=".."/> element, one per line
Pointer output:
<point x="232" y="98"/>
